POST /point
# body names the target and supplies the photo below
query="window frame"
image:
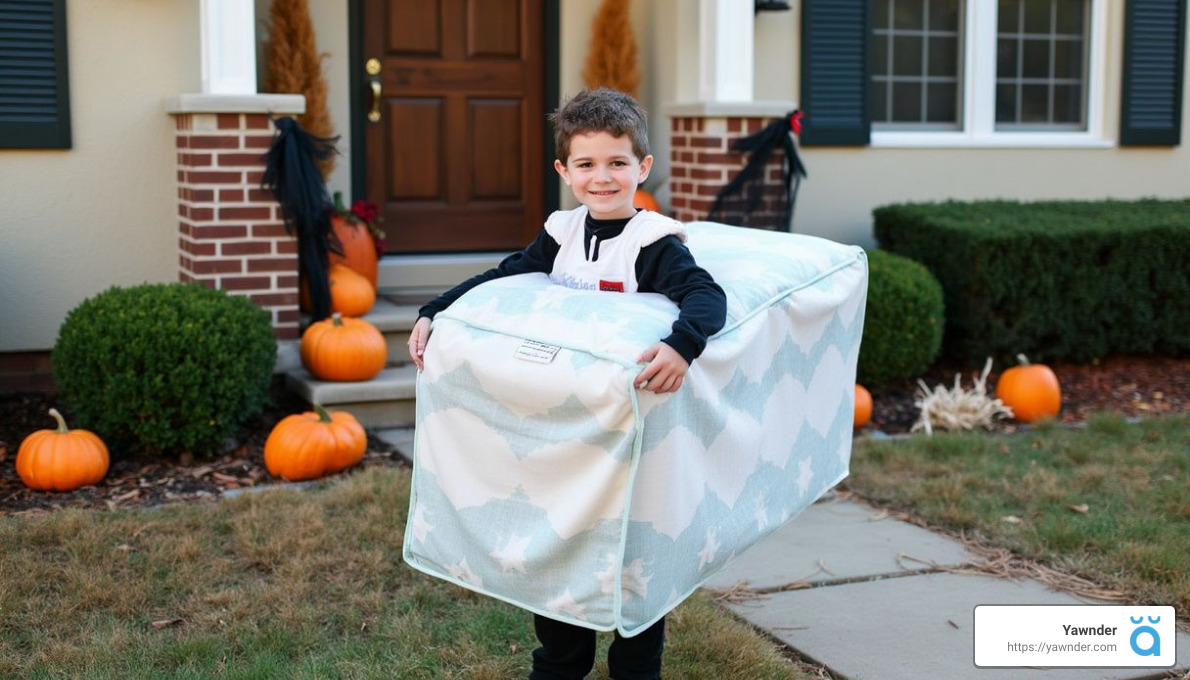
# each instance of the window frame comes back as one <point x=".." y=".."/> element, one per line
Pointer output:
<point x="960" y="86"/>
<point x="978" y="104"/>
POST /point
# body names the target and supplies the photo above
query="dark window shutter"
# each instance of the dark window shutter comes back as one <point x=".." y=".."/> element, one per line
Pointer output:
<point x="834" y="88"/>
<point x="34" y="89"/>
<point x="1154" y="51"/>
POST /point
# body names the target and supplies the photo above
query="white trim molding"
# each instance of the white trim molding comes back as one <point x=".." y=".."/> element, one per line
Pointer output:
<point x="726" y="50"/>
<point x="757" y="109"/>
<point x="236" y="103"/>
<point x="228" y="46"/>
<point x="979" y="94"/>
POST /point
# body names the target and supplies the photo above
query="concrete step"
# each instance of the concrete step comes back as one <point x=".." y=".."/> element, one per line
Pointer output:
<point x="385" y="401"/>
<point x="394" y="320"/>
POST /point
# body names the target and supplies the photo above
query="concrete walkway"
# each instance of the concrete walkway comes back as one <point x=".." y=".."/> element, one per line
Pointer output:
<point x="877" y="605"/>
<point x="877" y="608"/>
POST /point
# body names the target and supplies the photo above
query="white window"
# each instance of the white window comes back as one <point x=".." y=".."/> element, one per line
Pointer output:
<point x="916" y="63"/>
<point x="982" y="73"/>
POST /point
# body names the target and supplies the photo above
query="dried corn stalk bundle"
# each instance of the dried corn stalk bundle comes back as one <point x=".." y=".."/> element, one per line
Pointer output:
<point x="957" y="408"/>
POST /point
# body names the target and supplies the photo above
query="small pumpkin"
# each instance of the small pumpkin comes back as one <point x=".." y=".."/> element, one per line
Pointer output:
<point x="863" y="406"/>
<point x="1030" y="390"/>
<point x="61" y="459"/>
<point x="359" y="250"/>
<point x="343" y="349"/>
<point x="314" y="444"/>
<point x="351" y="294"/>
<point x="646" y="200"/>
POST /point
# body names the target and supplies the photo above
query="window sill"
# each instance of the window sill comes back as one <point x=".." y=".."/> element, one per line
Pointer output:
<point x="1002" y="140"/>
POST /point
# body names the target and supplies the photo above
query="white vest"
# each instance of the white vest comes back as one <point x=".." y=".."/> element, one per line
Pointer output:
<point x="615" y="270"/>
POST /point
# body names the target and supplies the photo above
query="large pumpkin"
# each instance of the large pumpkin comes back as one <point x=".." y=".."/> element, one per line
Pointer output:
<point x="61" y="459"/>
<point x="863" y="406"/>
<point x="359" y="251"/>
<point x="342" y="349"/>
<point x="351" y="294"/>
<point x="313" y="444"/>
<point x="646" y="200"/>
<point x="1030" y="390"/>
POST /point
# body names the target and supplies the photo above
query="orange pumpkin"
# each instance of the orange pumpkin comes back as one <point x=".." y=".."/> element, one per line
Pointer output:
<point x="359" y="251"/>
<point x="351" y="294"/>
<point x="343" y="349"/>
<point x="313" y="444"/>
<point x="61" y="459"/>
<point x="646" y="200"/>
<point x="1030" y="390"/>
<point x="863" y="406"/>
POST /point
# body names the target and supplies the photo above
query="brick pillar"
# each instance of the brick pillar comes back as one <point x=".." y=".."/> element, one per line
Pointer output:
<point x="230" y="233"/>
<point x="701" y="164"/>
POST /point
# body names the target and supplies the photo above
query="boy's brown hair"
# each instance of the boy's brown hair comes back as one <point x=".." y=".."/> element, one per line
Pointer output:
<point x="600" y="110"/>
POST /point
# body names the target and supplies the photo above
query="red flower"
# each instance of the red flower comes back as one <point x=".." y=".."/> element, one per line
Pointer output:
<point x="365" y="211"/>
<point x="795" y="122"/>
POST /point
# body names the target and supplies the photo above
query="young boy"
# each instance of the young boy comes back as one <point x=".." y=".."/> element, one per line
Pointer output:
<point x="601" y="141"/>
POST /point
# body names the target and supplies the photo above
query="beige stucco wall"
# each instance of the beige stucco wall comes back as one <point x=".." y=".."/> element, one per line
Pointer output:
<point x="845" y="184"/>
<point x="77" y="221"/>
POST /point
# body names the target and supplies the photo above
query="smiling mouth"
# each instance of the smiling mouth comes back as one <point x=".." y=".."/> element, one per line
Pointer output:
<point x="602" y="193"/>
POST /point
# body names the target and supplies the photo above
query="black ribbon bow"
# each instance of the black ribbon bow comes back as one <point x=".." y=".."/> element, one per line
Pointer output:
<point x="738" y="202"/>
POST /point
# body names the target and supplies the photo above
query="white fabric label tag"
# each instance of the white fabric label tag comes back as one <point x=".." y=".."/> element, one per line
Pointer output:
<point x="537" y="352"/>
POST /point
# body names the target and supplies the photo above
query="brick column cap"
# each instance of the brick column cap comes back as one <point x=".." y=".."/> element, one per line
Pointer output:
<point x="753" y="109"/>
<point x="236" y="103"/>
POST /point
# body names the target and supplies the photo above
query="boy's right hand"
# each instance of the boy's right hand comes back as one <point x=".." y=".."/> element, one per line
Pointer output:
<point x="417" y="341"/>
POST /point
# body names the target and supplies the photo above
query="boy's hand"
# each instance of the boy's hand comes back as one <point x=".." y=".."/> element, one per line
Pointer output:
<point x="665" y="370"/>
<point x="417" y="341"/>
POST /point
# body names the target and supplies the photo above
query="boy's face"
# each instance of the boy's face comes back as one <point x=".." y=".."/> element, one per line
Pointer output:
<point x="603" y="173"/>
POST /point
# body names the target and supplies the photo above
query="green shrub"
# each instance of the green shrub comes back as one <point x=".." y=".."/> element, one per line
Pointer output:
<point x="902" y="322"/>
<point x="1056" y="280"/>
<point x="164" y="368"/>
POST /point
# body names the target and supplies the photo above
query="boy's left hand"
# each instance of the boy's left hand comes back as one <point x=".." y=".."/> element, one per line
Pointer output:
<point x="665" y="371"/>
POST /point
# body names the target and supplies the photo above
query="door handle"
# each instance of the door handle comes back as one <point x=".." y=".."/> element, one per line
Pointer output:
<point x="374" y="112"/>
<point x="373" y="69"/>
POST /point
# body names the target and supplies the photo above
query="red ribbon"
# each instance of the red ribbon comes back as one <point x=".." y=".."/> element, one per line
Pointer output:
<point x="795" y="122"/>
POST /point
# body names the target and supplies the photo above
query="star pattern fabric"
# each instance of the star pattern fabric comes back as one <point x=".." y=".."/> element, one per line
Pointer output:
<point x="543" y="478"/>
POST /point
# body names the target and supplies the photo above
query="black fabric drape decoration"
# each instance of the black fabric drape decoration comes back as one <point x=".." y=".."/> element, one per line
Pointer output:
<point x="751" y="199"/>
<point x="294" y="179"/>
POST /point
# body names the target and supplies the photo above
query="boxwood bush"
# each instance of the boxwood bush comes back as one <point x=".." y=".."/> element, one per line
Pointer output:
<point x="164" y="368"/>
<point x="902" y="321"/>
<point x="1056" y="280"/>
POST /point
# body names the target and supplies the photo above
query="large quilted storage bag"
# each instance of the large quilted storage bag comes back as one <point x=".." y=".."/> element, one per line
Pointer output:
<point x="543" y="478"/>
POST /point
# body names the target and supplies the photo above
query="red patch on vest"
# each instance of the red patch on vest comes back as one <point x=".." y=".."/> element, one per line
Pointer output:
<point x="611" y="286"/>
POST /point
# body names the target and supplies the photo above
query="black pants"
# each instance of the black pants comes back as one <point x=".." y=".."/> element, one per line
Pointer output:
<point x="568" y="652"/>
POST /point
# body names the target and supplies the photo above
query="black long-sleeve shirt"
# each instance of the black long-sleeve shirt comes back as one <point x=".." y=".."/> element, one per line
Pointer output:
<point x="665" y="266"/>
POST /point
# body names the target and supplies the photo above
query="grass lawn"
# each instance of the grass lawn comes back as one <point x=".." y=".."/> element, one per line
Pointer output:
<point x="284" y="584"/>
<point x="1110" y="502"/>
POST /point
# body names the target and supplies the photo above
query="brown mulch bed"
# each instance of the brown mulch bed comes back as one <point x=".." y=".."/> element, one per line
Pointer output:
<point x="134" y="481"/>
<point x="1133" y="386"/>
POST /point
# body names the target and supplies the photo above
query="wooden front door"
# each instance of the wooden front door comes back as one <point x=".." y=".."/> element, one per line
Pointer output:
<point x="453" y="144"/>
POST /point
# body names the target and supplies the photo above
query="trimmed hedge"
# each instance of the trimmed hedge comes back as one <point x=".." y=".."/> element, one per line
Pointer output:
<point x="1056" y="280"/>
<point x="164" y="368"/>
<point x="902" y="320"/>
